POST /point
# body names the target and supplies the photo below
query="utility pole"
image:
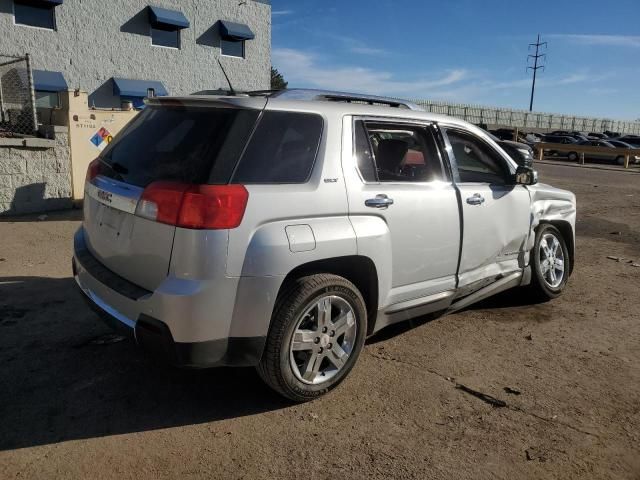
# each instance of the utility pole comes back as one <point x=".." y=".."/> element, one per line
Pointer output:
<point x="536" y="66"/>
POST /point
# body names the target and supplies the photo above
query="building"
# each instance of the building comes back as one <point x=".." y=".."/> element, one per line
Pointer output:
<point x="91" y="61"/>
<point x="127" y="49"/>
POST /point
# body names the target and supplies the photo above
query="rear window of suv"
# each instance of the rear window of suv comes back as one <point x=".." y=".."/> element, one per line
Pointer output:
<point x="282" y="150"/>
<point x="203" y="144"/>
<point x="184" y="144"/>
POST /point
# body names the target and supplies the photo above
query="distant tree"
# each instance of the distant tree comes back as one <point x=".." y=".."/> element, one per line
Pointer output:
<point x="277" y="80"/>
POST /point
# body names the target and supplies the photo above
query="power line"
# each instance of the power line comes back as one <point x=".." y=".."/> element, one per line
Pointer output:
<point x="537" y="58"/>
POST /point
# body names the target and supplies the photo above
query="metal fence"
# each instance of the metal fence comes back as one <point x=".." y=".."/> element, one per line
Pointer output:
<point x="17" y="97"/>
<point x="504" y="117"/>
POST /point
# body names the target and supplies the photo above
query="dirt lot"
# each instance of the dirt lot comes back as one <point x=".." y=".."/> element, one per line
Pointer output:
<point x="72" y="405"/>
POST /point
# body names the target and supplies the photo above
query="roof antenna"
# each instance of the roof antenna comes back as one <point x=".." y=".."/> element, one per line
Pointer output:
<point x="231" y="90"/>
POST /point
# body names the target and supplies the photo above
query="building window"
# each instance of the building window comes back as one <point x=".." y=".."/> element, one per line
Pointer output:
<point x="162" y="36"/>
<point x="232" y="38"/>
<point x="35" y="13"/>
<point x="232" y="48"/>
<point x="47" y="99"/>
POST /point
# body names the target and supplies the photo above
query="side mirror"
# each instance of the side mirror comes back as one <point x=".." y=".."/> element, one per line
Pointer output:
<point x="526" y="175"/>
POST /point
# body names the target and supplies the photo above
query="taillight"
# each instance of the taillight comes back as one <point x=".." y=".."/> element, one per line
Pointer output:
<point x="93" y="170"/>
<point x="194" y="206"/>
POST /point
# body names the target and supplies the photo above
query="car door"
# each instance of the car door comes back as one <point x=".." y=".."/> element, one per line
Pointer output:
<point x="496" y="213"/>
<point x="402" y="201"/>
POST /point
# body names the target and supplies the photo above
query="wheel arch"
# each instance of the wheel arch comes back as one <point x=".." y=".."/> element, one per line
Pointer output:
<point x="358" y="269"/>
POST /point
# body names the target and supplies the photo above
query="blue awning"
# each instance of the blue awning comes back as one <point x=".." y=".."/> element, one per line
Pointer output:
<point x="46" y="81"/>
<point x="137" y="88"/>
<point x="235" y="31"/>
<point x="167" y="18"/>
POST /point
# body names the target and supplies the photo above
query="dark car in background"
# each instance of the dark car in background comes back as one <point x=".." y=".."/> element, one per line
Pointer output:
<point x="633" y="140"/>
<point x="521" y="153"/>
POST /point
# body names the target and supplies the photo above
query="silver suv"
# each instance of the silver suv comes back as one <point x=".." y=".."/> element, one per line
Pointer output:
<point x="280" y="230"/>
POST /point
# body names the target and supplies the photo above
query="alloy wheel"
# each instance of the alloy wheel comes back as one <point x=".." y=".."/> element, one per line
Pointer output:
<point x="323" y="339"/>
<point x="552" y="261"/>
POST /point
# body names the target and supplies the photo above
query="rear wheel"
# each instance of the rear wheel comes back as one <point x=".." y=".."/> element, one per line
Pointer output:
<point x="550" y="263"/>
<point x="573" y="156"/>
<point x="317" y="331"/>
<point x="620" y="160"/>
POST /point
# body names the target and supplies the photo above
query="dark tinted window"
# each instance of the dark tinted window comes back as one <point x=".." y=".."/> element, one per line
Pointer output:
<point x="232" y="48"/>
<point x="186" y="144"/>
<point x="34" y="14"/>
<point x="165" y="37"/>
<point x="282" y="149"/>
<point x="364" y="157"/>
<point x="477" y="161"/>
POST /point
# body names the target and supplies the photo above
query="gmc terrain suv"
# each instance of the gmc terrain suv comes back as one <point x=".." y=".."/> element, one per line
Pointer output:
<point x="279" y="230"/>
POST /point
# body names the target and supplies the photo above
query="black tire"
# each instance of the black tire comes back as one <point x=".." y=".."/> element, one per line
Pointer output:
<point x="620" y="160"/>
<point x="295" y="297"/>
<point x="572" y="157"/>
<point x="539" y="287"/>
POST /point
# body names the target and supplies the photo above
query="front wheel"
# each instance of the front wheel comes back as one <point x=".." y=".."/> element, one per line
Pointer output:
<point x="620" y="160"/>
<point x="573" y="156"/>
<point x="317" y="331"/>
<point x="550" y="263"/>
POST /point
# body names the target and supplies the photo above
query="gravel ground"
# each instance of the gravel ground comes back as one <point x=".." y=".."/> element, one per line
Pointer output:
<point x="74" y="405"/>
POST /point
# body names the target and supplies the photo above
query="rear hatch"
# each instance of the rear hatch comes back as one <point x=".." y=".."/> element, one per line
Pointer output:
<point x="172" y="151"/>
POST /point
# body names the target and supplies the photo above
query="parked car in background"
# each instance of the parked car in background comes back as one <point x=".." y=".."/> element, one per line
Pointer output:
<point x="604" y="155"/>
<point x="633" y="140"/>
<point x="564" y="140"/>
<point x="503" y="133"/>
<point x="521" y="153"/>
<point x="598" y="135"/>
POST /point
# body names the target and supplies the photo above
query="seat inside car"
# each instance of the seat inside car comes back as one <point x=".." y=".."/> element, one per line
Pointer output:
<point x="389" y="157"/>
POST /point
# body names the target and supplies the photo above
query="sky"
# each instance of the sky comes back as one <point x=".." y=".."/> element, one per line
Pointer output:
<point x="471" y="51"/>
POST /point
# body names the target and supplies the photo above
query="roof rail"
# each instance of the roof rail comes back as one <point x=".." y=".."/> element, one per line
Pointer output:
<point x="330" y="96"/>
<point x="317" y="95"/>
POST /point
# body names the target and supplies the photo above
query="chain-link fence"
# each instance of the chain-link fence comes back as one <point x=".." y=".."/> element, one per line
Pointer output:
<point x="17" y="97"/>
<point x="505" y="117"/>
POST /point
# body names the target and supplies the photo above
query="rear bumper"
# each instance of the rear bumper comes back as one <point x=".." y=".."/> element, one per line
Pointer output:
<point x="133" y="318"/>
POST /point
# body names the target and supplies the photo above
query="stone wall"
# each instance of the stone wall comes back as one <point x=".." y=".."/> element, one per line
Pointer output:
<point x="35" y="174"/>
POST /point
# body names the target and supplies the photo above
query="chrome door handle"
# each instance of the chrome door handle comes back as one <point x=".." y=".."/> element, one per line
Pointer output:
<point x="381" y="201"/>
<point x="477" y="199"/>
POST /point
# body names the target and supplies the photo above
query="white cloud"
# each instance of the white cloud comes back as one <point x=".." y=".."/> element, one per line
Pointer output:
<point x="278" y="13"/>
<point x="309" y="70"/>
<point x="602" y="40"/>
<point x="303" y="68"/>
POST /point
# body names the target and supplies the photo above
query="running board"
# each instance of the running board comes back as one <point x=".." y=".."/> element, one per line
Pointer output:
<point x="505" y="283"/>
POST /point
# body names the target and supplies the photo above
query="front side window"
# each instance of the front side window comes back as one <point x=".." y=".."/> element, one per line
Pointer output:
<point x="388" y="152"/>
<point x="477" y="161"/>
<point x="283" y="149"/>
<point x="232" y="48"/>
<point x="34" y="14"/>
<point x="162" y="36"/>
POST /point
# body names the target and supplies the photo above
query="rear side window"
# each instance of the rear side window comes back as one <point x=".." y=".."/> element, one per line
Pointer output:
<point x="391" y="152"/>
<point x="184" y="144"/>
<point x="282" y="149"/>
